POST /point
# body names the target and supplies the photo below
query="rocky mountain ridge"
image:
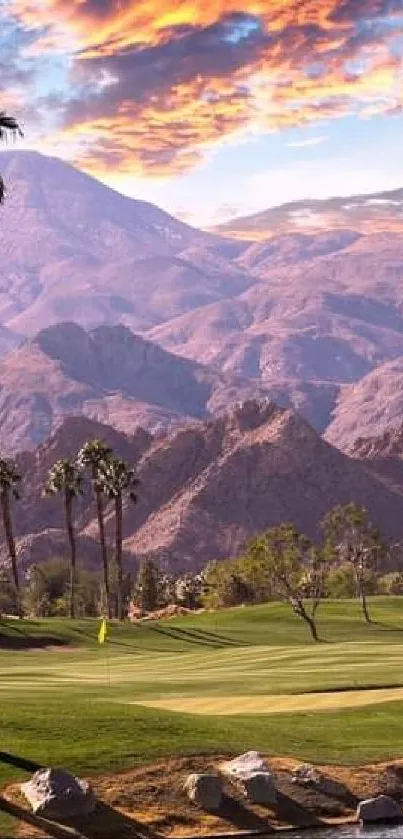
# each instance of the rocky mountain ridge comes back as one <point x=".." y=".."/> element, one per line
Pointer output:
<point x="205" y="489"/>
<point x="110" y="375"/>
<point x="306" y="314"/>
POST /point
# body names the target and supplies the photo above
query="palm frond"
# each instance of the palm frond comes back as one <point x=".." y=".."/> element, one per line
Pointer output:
<point x="116" y="478"/>
<point x="64" y="476"/>
<point x="9" y="475"/>
<point x="9" y="125"/>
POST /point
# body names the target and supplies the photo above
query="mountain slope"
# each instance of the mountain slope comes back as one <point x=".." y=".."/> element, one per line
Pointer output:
<point x="370" y="407"/>
<point x="74" y="249"/>
<point x="374" y="212"/>
<point x="108" y="374"/>
<point x="205" y="489"/>
<point x="306" y="314"/>
<point x="322" y="313"/>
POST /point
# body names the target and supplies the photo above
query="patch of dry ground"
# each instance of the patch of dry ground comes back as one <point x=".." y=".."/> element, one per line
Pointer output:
<point x="148" y="802"/>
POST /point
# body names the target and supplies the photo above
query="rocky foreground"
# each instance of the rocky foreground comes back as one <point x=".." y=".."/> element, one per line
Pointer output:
<point x="153" y="798"/>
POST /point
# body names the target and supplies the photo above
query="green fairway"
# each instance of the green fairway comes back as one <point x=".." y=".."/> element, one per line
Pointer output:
<point x="84" y="705"/>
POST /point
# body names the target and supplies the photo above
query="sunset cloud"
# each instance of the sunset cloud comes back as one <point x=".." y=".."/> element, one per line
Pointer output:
<point x="154" y="86"/>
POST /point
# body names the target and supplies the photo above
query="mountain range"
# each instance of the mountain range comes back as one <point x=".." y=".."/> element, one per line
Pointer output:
<point x="369" y="213"/>
<point x="205" y="489"/>
<point x="119" y="321"/>
<point x="304" y="315"/>
<point x="110" y="375"/>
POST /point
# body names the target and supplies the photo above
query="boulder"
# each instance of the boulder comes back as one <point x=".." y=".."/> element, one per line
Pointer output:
<point x="205" y="790"/>
<point x="308" y="776"/>
<point x="55" y="794"/>
<point x="379" y="809"/>
<point x="258" y="788"/>
<point x="245" y="765"/>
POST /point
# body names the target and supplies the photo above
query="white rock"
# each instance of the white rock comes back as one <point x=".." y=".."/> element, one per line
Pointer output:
<point x="245" y="765"/>
<point x="55" y="794"/>
<point x="205" y="790"/>
<point x="380" y="809"/>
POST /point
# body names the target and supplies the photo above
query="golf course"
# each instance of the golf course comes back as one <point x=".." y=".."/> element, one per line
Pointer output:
<point x="210" y="684"/>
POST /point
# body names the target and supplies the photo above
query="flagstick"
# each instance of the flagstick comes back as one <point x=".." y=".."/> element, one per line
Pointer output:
<point x="108" y="670"/>
<point x="102" y="638"/>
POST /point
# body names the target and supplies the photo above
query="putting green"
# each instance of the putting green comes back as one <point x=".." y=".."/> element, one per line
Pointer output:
<point x="274" y="704"/>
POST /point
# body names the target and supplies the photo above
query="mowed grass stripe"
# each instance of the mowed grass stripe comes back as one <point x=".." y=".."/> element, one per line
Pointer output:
<point x="274" y="671"/>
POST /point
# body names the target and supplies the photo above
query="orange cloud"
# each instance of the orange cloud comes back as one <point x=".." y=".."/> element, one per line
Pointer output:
<point x="181" y="76"/>
<point x="123" y="23"/>
<point x="160" y="137"/>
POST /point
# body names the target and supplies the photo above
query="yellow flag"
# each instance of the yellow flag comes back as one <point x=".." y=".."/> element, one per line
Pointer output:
<point x="102" y="631"/>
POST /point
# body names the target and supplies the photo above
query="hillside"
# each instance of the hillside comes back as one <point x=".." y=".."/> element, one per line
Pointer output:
<point x="322" y="313"/>
<point x="74" y="249"/>
<point x="108" y="374"/>
<point x="304" y="313"/>
<point x="205" y="489"/>
<point x="374" y="212"/>
<point x="367" y="409"/>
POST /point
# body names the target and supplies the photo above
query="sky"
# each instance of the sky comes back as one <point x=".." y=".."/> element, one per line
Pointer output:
<point x="211" y="108"/>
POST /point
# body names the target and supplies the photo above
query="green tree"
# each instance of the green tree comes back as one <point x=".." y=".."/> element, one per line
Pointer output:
<point x="225" y="586"/>
<point x="9" y="482"/>
<point x="340" y="582"/>
<point x="47" y="590"/>
<point x="118" y="480"/>
<point x="94" y="456"/>
<point x="8" y="126"/>
<point x="188" y="591"/>
<point x="65" y="478"/>
<point x="297" y="569"/>
<point x="391" y="583"/>
<point x="148" y="586"/>
<point x="350" y="537"/>
<point x="257" y="577"/>
<point x="46" y="585"/>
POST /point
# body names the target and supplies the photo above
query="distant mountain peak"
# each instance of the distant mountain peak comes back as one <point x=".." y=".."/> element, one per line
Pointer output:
<point x="363" y="213"/>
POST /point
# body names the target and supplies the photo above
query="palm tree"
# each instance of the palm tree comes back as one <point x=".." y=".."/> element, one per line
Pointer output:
<point x="117" y="479"/>
<point x="65" y="477"/>
<point x="9" y="480"/>
<point x="8" y="125"/>
<point x="94" y="456"/>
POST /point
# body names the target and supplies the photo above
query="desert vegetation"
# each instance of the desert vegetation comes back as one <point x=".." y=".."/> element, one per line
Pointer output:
<point x="110" y="479"/>
<point x="348" y="559"/>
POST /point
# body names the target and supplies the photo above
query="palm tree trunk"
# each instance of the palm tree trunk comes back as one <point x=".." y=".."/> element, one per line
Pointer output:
<point x="118" y="555"/>
<point x="72" y="545"/>
<point x="104" y="554"/>
<point x="8" y="530"/>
